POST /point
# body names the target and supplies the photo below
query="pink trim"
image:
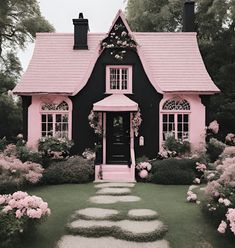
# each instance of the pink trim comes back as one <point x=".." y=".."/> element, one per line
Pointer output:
<point x="129" y="79"/>
<point x="104" y="138"/>
<point x="115" y="103"/>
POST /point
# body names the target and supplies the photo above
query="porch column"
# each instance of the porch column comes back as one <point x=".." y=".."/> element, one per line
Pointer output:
<point x="104" y="137"/>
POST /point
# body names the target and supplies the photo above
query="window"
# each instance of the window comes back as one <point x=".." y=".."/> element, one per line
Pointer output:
<point x="175" y="119"/>
<point x="118" y="79"/>
<point x="55" y="120"/>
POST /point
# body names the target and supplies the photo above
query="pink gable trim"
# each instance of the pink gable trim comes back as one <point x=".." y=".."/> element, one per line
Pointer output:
<point x="116" y="102"/>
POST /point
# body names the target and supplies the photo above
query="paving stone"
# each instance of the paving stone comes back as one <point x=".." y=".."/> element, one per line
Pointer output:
<point x="134" y="227"/>
<point x="113" y="191"/>
<point x="109" y="199"/>
<point x="142" y="213"/>
<point x="114" y="185"/>
<point x="70" y="241"/>
<point x="97" y="213"/>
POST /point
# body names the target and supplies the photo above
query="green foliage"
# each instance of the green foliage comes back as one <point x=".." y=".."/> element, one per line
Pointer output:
<point x="215" y="148"/>
<point x="74" y="170"/>
<point x="10" y="116"/>
<point x="10" y="230"/>
<point x="173" y="171"/>
<point x="180" y="147"/>
<point x="215" y="22"/>
<point x="53" y="144"/>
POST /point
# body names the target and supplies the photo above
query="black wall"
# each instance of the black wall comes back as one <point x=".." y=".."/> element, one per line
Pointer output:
<point x="26" y="102"/>
<point x="143" y="93"/>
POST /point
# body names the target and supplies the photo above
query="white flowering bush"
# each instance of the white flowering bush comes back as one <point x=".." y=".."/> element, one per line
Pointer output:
<point x="136" y="122"/>
<point x="95" y="122"/>
<point x="191" y="197"/>
<point x="57" y="148"/>
<point x="18" y="213"/>
<point x="14" y="174"/>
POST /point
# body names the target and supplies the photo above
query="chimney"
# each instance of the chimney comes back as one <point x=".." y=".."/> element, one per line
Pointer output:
<point x="80" y="33"/>
<point x="189" y="16"/>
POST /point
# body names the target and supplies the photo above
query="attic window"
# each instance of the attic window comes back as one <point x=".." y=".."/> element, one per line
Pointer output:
<point x="118" y="79"/>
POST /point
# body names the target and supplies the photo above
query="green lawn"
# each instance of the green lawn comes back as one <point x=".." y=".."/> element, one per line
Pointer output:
<point x="187" y="227"/>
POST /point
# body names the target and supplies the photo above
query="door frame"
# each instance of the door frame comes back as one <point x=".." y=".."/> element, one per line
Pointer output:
<point x="104" y="122"/>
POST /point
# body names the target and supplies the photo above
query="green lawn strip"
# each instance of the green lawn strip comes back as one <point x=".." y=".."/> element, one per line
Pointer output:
<point x="118" y="233"/>
<point x="187" y="227"/>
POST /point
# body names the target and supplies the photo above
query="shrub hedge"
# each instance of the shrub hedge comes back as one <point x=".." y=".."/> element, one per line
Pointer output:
<point x="173" y="171"/>
<point x="74" y="170"/>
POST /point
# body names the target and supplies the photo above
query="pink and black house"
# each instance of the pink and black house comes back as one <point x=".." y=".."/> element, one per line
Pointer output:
<point x="112" y="78"/>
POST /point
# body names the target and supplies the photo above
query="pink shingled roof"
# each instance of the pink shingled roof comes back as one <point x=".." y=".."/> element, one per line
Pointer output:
<point x="172" y="62"/>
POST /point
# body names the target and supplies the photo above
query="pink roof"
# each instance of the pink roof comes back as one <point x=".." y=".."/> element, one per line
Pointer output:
<point x="115" y="102"/>
<point x="172" y="62"/>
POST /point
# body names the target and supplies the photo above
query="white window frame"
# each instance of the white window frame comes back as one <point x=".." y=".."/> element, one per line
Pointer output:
<point x="129" y="79"/>
<point x="54" y="113"/>
<point x="175" y="113"/>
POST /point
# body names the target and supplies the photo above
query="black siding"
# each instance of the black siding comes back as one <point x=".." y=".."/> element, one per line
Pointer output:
<point x="143" y="93"/>
<point x="26" y="102"/>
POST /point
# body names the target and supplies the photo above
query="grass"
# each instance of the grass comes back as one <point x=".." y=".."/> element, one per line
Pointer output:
<point x="186" y="224"/>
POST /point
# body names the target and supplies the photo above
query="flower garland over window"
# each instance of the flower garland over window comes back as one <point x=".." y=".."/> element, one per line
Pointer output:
<point x="95" y="122"/>
<point x="136" y="122"/>
<point x="118" y="41"/>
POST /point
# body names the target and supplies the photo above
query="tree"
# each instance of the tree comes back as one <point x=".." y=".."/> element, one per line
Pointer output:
<point x="19" y="22"/>
<point x="215" y="21"/>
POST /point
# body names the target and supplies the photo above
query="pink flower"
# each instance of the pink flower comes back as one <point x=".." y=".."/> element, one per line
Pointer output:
<point x="231" y="218"/>
<point x="7" y="209"/>
<point x="214" y="127"/>
<point x="222" y="227"/>
<point x="227" y="202"/>
<point x="200" y="167"/>
<point x="19" y="214"/>
<point x="143" y="173"/>
<point x="2" y="199"/>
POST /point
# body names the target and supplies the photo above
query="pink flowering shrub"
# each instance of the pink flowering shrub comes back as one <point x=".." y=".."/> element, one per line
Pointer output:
<point x="14" y="174"/>
<point x="143" y="169"/>
<point x="191" y="197"/>
<point x="213" y="127"/>
<point x="19" y="212"/>
<point x="230" y="139"/>
<point x="220" y="192"/>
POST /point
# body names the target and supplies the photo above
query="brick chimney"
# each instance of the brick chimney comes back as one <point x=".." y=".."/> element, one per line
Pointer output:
<point x="80" y="33"/>
<point x="189" y="16"/>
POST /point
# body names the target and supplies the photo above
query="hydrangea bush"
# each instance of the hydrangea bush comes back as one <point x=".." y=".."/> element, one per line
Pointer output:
<point x="19" y="212"/>
<point x="15" y="174"/>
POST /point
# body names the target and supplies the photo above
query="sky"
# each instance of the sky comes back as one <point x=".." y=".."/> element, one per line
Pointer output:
<point x="60" y="13"/>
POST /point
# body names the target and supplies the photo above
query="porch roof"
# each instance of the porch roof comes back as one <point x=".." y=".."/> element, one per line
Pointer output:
<point x="115" y="103"/>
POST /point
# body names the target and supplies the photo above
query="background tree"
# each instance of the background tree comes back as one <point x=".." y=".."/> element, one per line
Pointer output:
<point x="215" y="21"/>
<point x="19" y="22"/>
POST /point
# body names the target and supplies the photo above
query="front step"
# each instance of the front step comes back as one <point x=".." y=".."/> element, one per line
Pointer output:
<point x="114" y="173"/>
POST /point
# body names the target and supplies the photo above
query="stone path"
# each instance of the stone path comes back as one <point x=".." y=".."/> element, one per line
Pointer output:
<point x="109" y="228"/>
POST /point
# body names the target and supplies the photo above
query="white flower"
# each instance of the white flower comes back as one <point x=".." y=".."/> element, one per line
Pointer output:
<point x="221" y="200"/>
<point x="227" y="202"/>
<point x="197" y="181"/>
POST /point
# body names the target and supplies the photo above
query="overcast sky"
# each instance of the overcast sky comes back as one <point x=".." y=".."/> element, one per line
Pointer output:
<point x="61" y="12"/>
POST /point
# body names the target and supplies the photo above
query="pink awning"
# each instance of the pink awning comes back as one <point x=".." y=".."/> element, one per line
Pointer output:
<point x="115" y="103"/>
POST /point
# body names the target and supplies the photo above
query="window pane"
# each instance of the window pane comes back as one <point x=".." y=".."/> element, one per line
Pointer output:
<point x="164" y="117"/>
<point x="124" y="79"/>
<point x="114" y="78"/>
<point x="65" y="118"/>
<point x="44" y="134"/>
<point x="44" y="127"/>
<point x="179" y="118"/>
<point x="164" y="127"/>
<point x="50" y="126"/>
<point x="185" y="117"/>
<point x="49" y="118"/>
<point x="44" y="118"/>
<point x="179" y="127"/>
<point x="171" y="118"/>
<point x="58" y="118"/>
<point x="58" y="127"/>
<point x="65" y="127"/>
<point x="185" y="127"/>
<point x="180" y="135"/>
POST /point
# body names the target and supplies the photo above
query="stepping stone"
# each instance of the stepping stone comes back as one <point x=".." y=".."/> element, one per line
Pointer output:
<point x="114" y="191"/>
<point x="115" y="185"/>
<point x="70" y="241"/>
<point x="109" y="199"/>
<point x="134" y="227"/>
<point x="142" y="213"/>
<point x="97" y="213"/>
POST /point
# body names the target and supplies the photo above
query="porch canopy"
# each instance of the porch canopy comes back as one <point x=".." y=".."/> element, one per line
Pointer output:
<point x="115" y="103"/>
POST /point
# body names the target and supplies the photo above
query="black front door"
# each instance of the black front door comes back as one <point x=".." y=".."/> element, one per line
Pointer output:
<point x="118" y="137"/>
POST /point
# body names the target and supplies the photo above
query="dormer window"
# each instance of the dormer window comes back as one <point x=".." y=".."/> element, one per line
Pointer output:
<point x="118" y="79"/>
